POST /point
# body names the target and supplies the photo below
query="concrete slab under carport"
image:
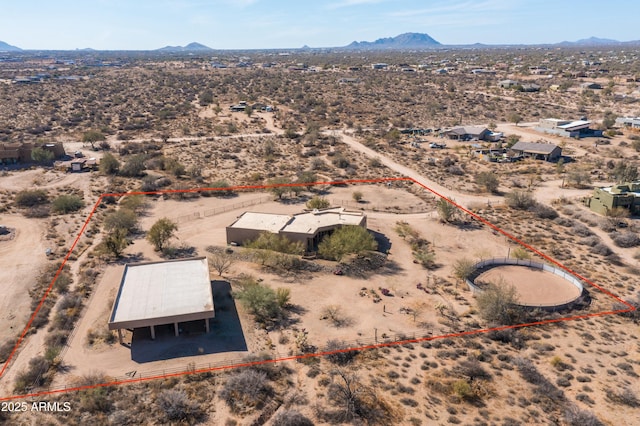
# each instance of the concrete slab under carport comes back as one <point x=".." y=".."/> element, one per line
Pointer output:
<point x="160" y="293"/>
<point x="226" y="334"/>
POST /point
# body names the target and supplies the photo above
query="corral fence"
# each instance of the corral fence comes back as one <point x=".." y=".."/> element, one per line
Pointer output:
<point x="222" y="209"/>
<point x="485" y="265"/>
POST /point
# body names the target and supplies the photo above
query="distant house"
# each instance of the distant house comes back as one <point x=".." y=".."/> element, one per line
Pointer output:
<point x="629" y="122"/>
<point x="379" y="66"/>
<point x="78" y="165"/>
<point x="539" y="151"/>
<point x="567" y="128"/>
<point x="470" y="133"/>
<point x="483" y="71"/>
<point x="625" y="196"/>
<point x="239" y="107"/>
<point x="17" y="152"/>
<point x="349" y="81"/>
<point x="530" y="87"/>
<point x="590" y="86"/>
<point x="508" y="84"/>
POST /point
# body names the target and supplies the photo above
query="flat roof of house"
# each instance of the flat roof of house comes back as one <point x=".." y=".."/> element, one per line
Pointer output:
<point x="155" y="293"/>
<point x="311" y="222"/>
<point x="261" y="221"/>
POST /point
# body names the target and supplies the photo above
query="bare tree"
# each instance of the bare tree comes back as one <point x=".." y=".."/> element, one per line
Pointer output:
<point x="221" y="262"/>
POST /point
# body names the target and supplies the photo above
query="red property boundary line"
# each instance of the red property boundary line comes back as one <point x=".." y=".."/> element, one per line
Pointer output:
<point x="630" y="308"/>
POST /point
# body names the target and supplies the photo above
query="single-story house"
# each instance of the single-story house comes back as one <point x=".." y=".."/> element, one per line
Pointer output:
<point x="539" y="151"/>
<point x="153" y="294"/>
<point x="508" y="84"/>
<point x="239" y="107"/>
<point x="470" y="133"/>
<point x="308" y="228"/>
<point x="530" y="87"/>
<point x="591" y="86"/>
<point x="19" y="152"/>
<point x="630" y="122"/>
<point x="567" y="128"/>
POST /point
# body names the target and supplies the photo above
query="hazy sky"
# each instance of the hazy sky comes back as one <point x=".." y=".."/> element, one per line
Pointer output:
<point x="246" y="24"/>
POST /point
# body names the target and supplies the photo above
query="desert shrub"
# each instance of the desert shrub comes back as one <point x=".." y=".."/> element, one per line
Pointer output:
<point x="275" y="242"/>
<point x="521" y="200"/>
<point x="347" y="240"/>
<point x="591" y="241"/>
<point x="471" y="369"/>
<point x="340" y="358"/>
<point x="446" y="210"/>
<point x="544" y="212"/>
<point x="134" y="167"/>
<point x="601" y="249"/>
<point x="261" y="301"/>
<point x="497" y="304"/>
<point x="318" y="203"/>
<point x="581" y="230"/>
<point x="626" y="239"/>
<point x="623" y="397"/>
<point x="246" y="390"/>
<point x="121" y="219"/>
<point x="335" y="315"/>
<point x="463" y="268"/>
<point x="30" y="198"/>
<point x="341" y="161"/>
<point x="34" y="375"/>
<point x="488" y="180"/>
<point x="96" y="400"/>
<point x="574" y="416"/>
<point x="455" y="170"/>
<point x="291" y="418"/>
<point x="67" y="204"/>
<point x="175" y="405"/>
<point x="6" y="348"/>
<point x="109" y="165"/>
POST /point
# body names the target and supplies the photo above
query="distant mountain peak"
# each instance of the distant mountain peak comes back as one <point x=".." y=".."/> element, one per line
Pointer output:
<point x="191" y="47"/>
<point x="6" y="47"/>
<point x="402" y="41"/>
<point x="592" y="41"/>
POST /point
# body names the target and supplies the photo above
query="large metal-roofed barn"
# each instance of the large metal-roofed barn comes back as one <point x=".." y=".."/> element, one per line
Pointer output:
<point x="161" y="293"/>
<point x="308" y="228"/>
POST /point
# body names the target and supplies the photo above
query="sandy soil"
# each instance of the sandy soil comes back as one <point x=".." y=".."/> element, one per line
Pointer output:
<point x="364" y="320"/>
<point x="21" y="260"/>
<point x="534" y="286"/>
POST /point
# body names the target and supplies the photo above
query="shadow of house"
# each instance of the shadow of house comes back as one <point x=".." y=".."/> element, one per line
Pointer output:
<point x="225" y="334"/>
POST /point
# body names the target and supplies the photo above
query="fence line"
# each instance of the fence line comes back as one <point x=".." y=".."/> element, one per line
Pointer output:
<point x="223" y="209"/>
<point x="238" y="362"/>
<point x="378" y="208"/>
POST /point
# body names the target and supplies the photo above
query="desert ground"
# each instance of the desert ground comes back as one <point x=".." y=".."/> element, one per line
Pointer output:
<point x="165" y="122"/>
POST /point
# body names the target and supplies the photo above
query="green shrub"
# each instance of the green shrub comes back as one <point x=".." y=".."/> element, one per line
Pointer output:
<point x="30" y="198"/>
<point x="67" y="203"/>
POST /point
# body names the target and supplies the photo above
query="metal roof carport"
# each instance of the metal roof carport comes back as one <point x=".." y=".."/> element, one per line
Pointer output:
<point x="159" y="293"/>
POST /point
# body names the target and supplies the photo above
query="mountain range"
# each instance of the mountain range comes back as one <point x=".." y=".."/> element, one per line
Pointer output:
<point x="191" y="47"/>
<point x="399" y="42"/>
<point x="402" y="41"/>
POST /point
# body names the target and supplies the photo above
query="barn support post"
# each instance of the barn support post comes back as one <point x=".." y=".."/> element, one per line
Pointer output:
<point x="206" y="324"/>
<point x="120" y="335"/>
<point x="176" y="329"/>
<point x="153" y="332"/>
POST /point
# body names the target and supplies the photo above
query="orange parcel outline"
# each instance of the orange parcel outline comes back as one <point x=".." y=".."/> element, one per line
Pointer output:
<point x="629" y="307"/>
